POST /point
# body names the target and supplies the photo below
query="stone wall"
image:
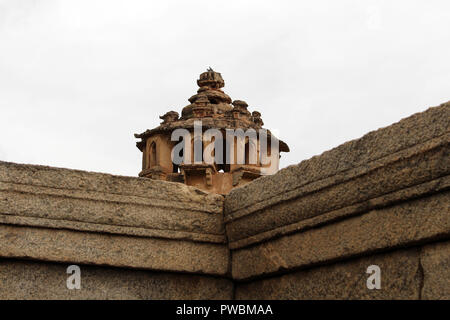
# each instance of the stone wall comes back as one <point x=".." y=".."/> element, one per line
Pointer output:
<point x="24" y="279"/>
<point x="311" y="230"/>
<point x="51" y="218"/>
<point x="414" y="273"/>
<point x="308" y="232"/>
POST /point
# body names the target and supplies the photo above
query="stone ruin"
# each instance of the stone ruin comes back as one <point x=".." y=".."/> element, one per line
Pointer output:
<point x="311" y="231"/>
<point x="215" y="109"/>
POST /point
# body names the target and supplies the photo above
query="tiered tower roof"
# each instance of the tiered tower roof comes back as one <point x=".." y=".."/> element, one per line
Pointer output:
<point x="213" y="107"/>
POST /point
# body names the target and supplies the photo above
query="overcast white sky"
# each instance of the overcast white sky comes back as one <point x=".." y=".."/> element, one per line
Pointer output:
<point x="78" y="78"/>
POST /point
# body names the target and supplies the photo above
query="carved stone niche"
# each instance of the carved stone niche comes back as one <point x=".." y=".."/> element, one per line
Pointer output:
<point x="170" y="116"/>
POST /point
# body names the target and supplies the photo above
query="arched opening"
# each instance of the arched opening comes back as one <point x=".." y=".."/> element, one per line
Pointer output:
<point x="247" y="153"/>
<point x="265" y="154"/>
<point x="153" y="159"/>
<point x="175" y="167"/>
<point x="225" y="165"/>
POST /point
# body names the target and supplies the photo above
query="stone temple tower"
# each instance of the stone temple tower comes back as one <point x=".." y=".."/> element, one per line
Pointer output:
<point x="214" y="110"/>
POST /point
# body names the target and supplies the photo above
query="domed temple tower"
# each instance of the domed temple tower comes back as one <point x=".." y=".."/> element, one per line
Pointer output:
<point x="240" y="161"/>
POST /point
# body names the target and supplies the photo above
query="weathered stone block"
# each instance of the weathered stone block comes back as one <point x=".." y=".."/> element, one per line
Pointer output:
<point x="63" y="215"/>
<point x="435" y="261"/>
<point x="401" y="278"/>
<point x="36" y="280"/>
<point x="417" y="129"/>
<point x="408" y="223"/>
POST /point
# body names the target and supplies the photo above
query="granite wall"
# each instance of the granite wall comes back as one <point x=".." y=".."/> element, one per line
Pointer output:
<point x="308" y="232"/>
<point x="313" y="229"/>
<point x="132" y="237"/>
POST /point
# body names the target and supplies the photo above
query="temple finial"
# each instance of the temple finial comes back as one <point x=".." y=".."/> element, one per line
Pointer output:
<point x="211" y="79"/>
